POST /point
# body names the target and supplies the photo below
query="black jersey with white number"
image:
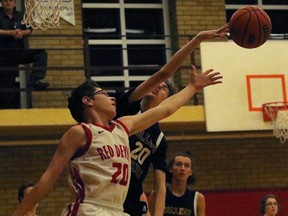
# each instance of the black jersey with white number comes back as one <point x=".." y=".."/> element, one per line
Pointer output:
<point x="185" y="205"/>
<point x="148" y="146"/>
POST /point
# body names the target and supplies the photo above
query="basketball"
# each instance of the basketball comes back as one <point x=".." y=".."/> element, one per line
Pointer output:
<point x="250" y="27"/>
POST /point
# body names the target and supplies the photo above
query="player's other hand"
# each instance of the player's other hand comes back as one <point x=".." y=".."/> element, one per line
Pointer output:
<point x="204" y="79"/>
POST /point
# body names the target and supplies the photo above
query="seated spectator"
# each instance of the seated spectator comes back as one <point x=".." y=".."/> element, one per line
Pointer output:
<point x="269" y="205"/>
<point x="13" y="53"/>
<point x="22" y="191"/>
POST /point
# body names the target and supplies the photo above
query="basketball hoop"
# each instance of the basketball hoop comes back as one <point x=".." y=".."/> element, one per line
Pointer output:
<point x="42" y="14"/>
<point x="277" y="112"/>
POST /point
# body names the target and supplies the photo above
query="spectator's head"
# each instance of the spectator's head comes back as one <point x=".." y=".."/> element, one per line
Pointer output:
<point x="8" y="4"/>
<point x="269" y="205"/>
<point x="75" y="101"/>
<point x="23" y="190"/>
<point x="180" y="168"/>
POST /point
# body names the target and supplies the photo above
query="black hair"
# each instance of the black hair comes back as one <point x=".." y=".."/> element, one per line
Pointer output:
<point x="75" y="104"/>
<point x="171" y="87"/>
<point x="22" y="188"/>
<point x="191" y="179"/>
<point x="263" y="202"/>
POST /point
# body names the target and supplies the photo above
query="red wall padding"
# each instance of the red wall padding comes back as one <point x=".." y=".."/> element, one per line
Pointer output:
<point x="241" y="203"/>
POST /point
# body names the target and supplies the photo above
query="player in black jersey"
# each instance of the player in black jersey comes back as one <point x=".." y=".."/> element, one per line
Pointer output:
<point x="150" y="145"/>
<point x="179" y="199"/>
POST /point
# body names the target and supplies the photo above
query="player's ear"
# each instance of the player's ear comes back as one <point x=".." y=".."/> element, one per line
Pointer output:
<point x="86" y="100"/>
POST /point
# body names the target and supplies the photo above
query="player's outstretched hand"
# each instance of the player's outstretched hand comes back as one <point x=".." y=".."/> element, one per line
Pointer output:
<point x="215" y="33"/>
<point x="204" y="79"/>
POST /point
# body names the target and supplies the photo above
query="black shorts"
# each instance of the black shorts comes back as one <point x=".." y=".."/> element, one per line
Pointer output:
<point x="136" y="209"/>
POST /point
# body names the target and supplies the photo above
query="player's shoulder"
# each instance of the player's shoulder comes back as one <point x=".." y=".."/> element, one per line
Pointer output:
<point x="76" y="129"/>
<point x="200" y="196"/>
<point x="125" y="96"/>
<point x="74" y="136"/>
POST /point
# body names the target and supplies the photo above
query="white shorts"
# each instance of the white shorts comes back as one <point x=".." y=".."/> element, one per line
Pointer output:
<point x="92" y="208"/>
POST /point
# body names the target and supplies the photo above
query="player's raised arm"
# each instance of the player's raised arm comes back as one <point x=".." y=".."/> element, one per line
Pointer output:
<point x="169" y="69"/>
<point x="166" y="108"/>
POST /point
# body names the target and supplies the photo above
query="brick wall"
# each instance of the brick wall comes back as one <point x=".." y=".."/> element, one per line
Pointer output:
<point x="219" y="165"/>
<point x="26" y="164"/>
<point x="235" y="164"/>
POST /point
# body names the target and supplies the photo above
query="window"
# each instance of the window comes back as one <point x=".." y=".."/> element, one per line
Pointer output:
<point x="277" y="10"/>
<point x="126" y="39"/>
<point x="102" y="23"/>
<point x="144" y="24"/>
<point x="149" y="55"/>
<point x="106" y="55"/>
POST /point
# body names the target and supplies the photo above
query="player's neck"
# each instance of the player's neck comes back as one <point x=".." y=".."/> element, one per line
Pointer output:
<point x="178" y="189"/>
<point x="148" y="103"/>
<point x="94" y="117"/>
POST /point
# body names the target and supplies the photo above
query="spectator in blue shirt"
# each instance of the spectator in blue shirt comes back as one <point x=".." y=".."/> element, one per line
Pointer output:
<point x="13" y="53"/>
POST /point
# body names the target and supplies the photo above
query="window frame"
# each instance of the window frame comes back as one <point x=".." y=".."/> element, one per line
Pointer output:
<point x="124" y="42"/>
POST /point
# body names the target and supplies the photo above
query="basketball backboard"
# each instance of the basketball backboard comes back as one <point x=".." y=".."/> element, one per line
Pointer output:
<point x="251" y="77"/>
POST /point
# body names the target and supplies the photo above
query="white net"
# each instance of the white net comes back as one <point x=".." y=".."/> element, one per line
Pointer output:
<point x="42" y="14"/>
<point x="278" y="112"/>
<point x="281" y="126"/>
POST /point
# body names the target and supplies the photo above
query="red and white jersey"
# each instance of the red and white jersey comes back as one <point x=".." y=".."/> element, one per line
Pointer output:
<point x="100" y="171"/>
